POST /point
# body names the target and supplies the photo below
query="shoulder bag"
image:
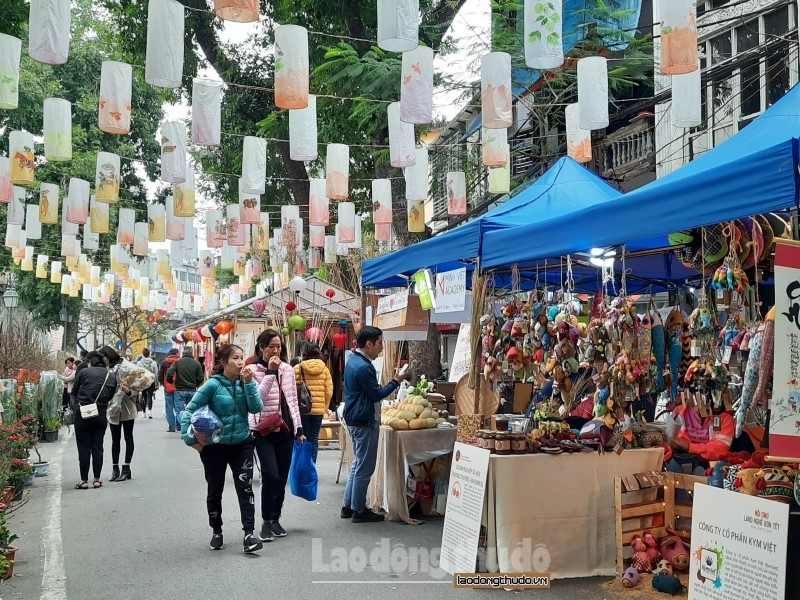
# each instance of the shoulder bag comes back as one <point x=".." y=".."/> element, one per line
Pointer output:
<point x="89" y="411"/>
<point x="275" y="421"/>
<point x="304" y="398"/>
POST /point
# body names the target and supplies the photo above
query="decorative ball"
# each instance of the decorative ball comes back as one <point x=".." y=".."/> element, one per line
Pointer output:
<point x="178" y="338"/>
<point x="343" y="322"/>
<point x="223" y="327"/>
<point x="286" y="331"/>
<point x="330" y="293"/>
<point x="290" y="306"/>
<point x="340" y="340"/>
<point x="297" y="322"/>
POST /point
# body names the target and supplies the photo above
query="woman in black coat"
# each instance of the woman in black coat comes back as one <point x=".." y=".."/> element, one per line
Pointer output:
<point x="94" y="383"/>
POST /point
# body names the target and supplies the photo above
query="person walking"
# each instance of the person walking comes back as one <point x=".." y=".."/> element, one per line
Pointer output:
<point x="68" y="377"/>
<point x="362" y="398"/>
<point x="120" y="421"/>
<point x="94" y="383"/>
<point x="169" y="391"/>
<point x="313" y="370"/>
<point x="231" y="394"/>
<point x="187" y="375"/>
<point x="278" y="390"/>
<point x="151" y="365"/>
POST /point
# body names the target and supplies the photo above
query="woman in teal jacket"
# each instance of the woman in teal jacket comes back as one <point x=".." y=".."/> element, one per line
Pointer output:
<point x="231" y="394"/>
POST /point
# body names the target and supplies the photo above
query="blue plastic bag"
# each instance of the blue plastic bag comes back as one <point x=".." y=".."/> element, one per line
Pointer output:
<point x="303" y="474"/>
<point x="205" y="426"/>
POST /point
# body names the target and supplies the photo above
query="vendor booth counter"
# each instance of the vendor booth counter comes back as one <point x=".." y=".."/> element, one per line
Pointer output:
<point x="557" y="512"/>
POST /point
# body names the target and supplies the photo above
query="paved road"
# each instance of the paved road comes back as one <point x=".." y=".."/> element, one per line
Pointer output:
<point x="148" y="538"/>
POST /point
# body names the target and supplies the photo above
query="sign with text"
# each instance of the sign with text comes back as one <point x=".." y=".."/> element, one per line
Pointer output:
<point x="784" y="424"/>
<point x="739" y="545"/>
<point x="451" y="291"/>
<point x="462" y="521"/>
<point x="245" y="340"/>
<point x="462" y="357"/>
<point x="392" y="302"/>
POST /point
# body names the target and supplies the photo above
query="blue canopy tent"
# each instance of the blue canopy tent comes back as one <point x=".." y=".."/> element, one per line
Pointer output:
<point x="567" y="187"/>
<point x="755" y="171"/>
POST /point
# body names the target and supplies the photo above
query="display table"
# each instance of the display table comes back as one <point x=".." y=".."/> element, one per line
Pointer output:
<point x="557" y="511"/>
<point x="397" y="450"/>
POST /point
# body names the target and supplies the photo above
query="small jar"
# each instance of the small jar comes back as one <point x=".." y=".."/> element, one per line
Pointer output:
<point x="481" y="439"/>
<point x="502" y="443"/>
<point x="501" y="424"/>
<point x="491" y="440"/>
<point x="519" y="445"/>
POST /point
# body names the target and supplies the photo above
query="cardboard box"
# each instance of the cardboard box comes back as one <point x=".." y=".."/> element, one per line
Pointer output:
<point x="523" y="392"/>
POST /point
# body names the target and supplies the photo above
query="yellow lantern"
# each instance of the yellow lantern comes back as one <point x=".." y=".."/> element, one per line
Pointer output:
<point x="66" y="284"/>
<point x="416" y="216"/>
<point x="156" y="221"/>
<point x="107" y="177"/>
<point x="94" y="276"/>
<point x="27" y="259"/>
<point x="20" y="155"/>
<point x="48" y="31"/>
<point x="496" y="90"/>
<point x="57" y="129"/>
<point x="55" y="272"/>
<point x="114" y="110"/>
<point x="10" y="53"/>
<point x="337" y="168"/>
<point x="41" y="266"/>
<point x="184" y="196"/>
<point x="99" y="215"/>
<point x="579" y="141"/>
<point x="164" y="58"/>
<point x="260" y="233"/>
<point x="499" y="179"/>
<point x="291" y="67"/>
<point x="48" y="203"/>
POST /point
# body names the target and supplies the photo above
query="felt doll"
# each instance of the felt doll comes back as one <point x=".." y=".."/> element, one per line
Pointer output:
<point x="716" y="474"/>
<point x="776" y="483"/>
<point x="746" y="481"/>
<point x="652" y="548"/>
<point x="630" y="578"/>
<point x="664" y="567"/>
<point x="669" y="584"/>
<point x="640" y="561"/>
<point x="675" y="550"/>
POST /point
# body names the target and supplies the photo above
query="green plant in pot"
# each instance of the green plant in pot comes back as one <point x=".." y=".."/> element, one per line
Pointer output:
<point x="6" y="567"/>
<point x="7" y="551"/>
<point x="51" y="401"/>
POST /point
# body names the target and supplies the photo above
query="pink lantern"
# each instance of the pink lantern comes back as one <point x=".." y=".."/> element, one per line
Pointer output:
<point x="314" y="334"/>
<point x="259" y="306"/>
<point x="197" y="336"/>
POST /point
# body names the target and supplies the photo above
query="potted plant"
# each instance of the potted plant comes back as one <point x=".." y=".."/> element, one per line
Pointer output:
<point x="51" y="405"/>
<point x="31" y="426"/>
<point x="6" y="567"/>
<point x="7" y="551"/>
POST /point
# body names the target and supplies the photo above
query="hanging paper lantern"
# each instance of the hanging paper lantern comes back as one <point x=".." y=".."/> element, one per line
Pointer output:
<point x="6" y="187"/>
<point x="318" y="203"/>
<point x="126" y="227"/>
<point x="188" y="334"/>
<point x="157" y="223"/>
<point x="18" y="251"/>
<point x="10" y="53"/>
<point x="173" y="152"/>
<point x="13" y="235"/>
<point x="33" y="227"/>
<point x="235" y="230"/>
<point x="57" y="129"/>
<point x="91" y="241"/>
<point x="416" y="216"/>
<point x="678" y="37"/>
<point x="20" y="155"/>
<point x="499" y="179"/>
<point x="340" y="340"/>
<point x="99" y="216"/>
<point x="183" y="195"/>
<point x="593" y="92"/>
<point x="48" y="31"/>
<point x="297" y="322"/>
<point x="16" y="209"/>
<point x="114" y="114"/>
<point x="291" y="226"/>
<point x="165" y="30"/>
<point x="238" y="11"/>
<point x="141" y="236"/>
<point x="398" y="25"/>
<point x="416" y="176"/>
<point x="69" y="246"/>
<point x="27" y="259"/>
<point x="259" y="306"/>
<point x="303" y="132"/>
<point x="342" y="249"/>
<point x="543" y="34"/>
<point x="330" y="293"/>
<point x="206" y="112"/>
<point x="456" y="193"/>
<point x="174" y="225"/>
<point x="107" y="177"/>
<point x="55" y="271"/>
<point x="254" y="165"/>
<point x="496" y="90"/>
<point x="189" y="244"/>
<point x="314" y="334"/>
<point x="316" y="236"/>
<point x="290" y="306"/>
<point x="330" y="250"/>
<point x="337" y="169"/>
<point x="260" y="233"/>
<point x="48" y="203"/>
<point x="197" y="336"/>
<point x="416" y="89"/>
<point x="383" y="232"/>
<point x="687" y="99"/>
<point x="223" y="327"/>
<point x="579" y="141"/>
<point x="291" y="67"/>
<point x="314" y="258"/>
<point x="249" y="207"/>
<point x="382" y="200"/>
<point x="494" y="146"/>
<point x="215" y="228"/>
<point x="76" y="204"/>
<point x="346" y="229"/>
<point x="401" y="138"/>
<point x="41" y="266"/>
<point x="285" y="331"/>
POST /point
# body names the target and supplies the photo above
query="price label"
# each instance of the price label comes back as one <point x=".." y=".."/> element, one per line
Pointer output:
<point x="726" y="357"/>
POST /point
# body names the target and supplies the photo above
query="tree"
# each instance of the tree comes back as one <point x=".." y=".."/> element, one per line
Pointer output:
<point x="128" y="325"/>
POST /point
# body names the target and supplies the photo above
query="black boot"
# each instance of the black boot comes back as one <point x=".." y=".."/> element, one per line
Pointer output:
<point x="126" y="473"/>
<point x="115" y="473"/>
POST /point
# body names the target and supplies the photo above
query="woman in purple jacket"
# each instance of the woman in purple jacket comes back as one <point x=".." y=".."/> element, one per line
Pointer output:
<point x="278" y="389"/>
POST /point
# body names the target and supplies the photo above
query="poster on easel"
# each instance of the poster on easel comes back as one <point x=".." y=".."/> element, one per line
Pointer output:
<point x="245" y="340"/>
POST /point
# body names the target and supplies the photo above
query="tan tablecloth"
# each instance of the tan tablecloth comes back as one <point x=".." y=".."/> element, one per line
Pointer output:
<point x="557" y="511"/>
<point x="397" y="450"/>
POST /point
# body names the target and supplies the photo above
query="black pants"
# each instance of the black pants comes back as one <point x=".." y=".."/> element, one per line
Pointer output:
<point x="65" y="399"/>
<point x="116" y="438"/>
<point x="89" y="434"/>
<point x="275" y="456"/>
<point x="147" y="398"/>
<point x="216" y="458"/>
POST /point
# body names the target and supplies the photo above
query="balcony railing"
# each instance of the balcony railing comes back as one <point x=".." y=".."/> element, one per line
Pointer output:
<point x="629" y="151"/>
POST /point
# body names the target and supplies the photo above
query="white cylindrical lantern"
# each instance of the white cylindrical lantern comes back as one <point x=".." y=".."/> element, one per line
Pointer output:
<point x="41" y="266"/>
<point x="543" y="34"/>
<point x="98" y="213"/>
<point x="189" y="240"/>
<point x="69" y="246"/>
<point x="260" y="233"/>
<point x="6" y="187"/>
<point x="416" y="216"/>
<point x="206" y="264"/>
<point x="456" y="193"/>
<point x="173" y="152"/>
<point x="401" y="138"/>
<point x="494" y="146"/>
<point x="215" y="228"/>
<point x="114" y="114"/>
<point x="57" y="129"/>
<point x="318" y="203"/>
<point x="357" y="242"/>
<point x="16" y="240"/>
<point x="163" y="65"/>
<point x="184" y="195"/>
<point x="579" y="141"/>
<point x="337" y="169"/>
<point x="346" y="228"/>
<point x="593" y="92"/>
<point x="27" y="259"/>
<point x="10" y="53"/>
<point x="107" y="177"/>
<point x="66" y="284"/>
<point x="48" y="203"/>
<point x="55" y="271"/>
<point x="206" y="112"/>
<point x="381" y="201"/>
<point x="416" y="89"/>
<point x="383" y="232"/>
<point x="20" y="154"/>
<point x="238" y="11"/>
<point x="342" y="249"/>
<point x="291" y="67"/>
<point x="314" y="258"/>
<point x="254" y="165"/>
<point x="496" y="90"/>
<point x="235" y="230"/>
<point x="76" y="204"/>
<point x="398" y="25"/>
<point x="291" y="234"/>
<point x="678" y="37"/>
<point x="499" y="179"/>
<point x="16" y="209"/>
<point x="157" y="223"/>
<point x="48" y="31"/>
<point x="417" y="176"/>
<point x="91" y="240"/>
<point x="126" y="232"/>
<point x="33" y="227"/>
<point x="249" y="207"/>
<point x="330" y="249"/>
<point x="66" y="226"/>
<point x="303" y="132"/>
<point x="316" y="236"/>
<point x="141" y="234"/>
<point x="175" y="229"/>
<point x="687" y="99"/>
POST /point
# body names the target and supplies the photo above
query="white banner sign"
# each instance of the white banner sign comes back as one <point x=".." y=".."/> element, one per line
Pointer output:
<point x="451" y="291"/>
<point x="462" y="357"/>
<point x="392" y="302"/>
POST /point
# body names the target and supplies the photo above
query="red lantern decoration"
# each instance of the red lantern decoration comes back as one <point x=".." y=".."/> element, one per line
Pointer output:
<point x="358" y="312"/>
<point x="340" y="340"/>
<point x="290" y="306"/>
<point x="223" y="327"/>
<point x="330" y="293"/>
<point x="187" y="335"/>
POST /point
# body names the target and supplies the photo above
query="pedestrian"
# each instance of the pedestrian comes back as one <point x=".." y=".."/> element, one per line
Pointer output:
<point x="169" y="391"/>
<point x="94" y="383"/>
<point x="120" y="421"/>
<point x="147" y="395"/>
<point x="81" y="363"/>
<point x="187" y="375"/>
<point x="68" y="377"/>
<point x="278" y="390"/>
<point x="231" y="394"/>
<point x="362" y="398"/>
<point x="313" y="370"/>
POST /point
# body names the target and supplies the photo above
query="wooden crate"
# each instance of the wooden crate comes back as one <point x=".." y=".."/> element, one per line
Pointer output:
<point x="647" y="501"/>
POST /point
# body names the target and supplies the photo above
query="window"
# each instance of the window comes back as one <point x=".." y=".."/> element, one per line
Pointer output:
<point x="721" y="48"/>
<point x="778" y="76"/>
<point x="747" y="36"/>
<point x="777" y="22"/>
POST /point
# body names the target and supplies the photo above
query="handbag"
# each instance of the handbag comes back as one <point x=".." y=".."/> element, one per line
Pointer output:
<point x="304" y="398"/>
<point x="275" y="421"/>
<point x="89" y="411"/>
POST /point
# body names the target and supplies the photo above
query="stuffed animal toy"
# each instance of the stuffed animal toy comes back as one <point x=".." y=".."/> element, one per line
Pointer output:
<point x="716" y="474"/>
<point x="630" y="578"/>
<point x="652" y="548"/>
<point x="669" y="584"/>
<point x="776" y="483"/>
<point x="746" y="481"/>
<point x="675" y="550"/>
<point x="640" y="561"/>
<point x="664" y="567"/>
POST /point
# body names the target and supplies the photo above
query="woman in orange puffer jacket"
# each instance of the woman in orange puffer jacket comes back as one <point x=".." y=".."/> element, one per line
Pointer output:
<point x="318" y="379"/>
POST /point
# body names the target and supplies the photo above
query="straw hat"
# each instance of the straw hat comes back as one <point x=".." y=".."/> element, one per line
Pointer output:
<point x="488" y="401"/>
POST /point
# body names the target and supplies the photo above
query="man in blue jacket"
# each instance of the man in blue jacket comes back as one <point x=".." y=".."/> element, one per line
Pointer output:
<point x="362" y="413"/>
